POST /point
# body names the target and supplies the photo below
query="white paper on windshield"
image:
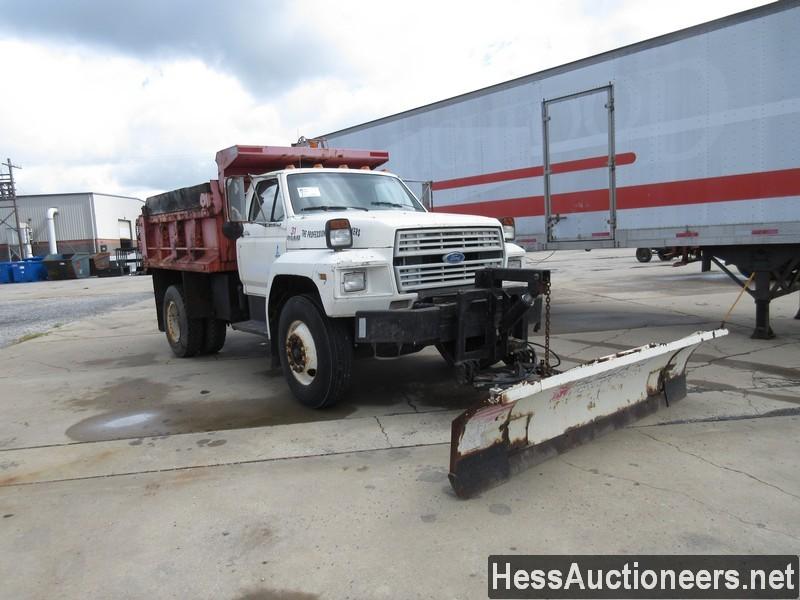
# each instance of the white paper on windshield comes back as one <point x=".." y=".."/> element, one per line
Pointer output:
<point x="308" y="192"/>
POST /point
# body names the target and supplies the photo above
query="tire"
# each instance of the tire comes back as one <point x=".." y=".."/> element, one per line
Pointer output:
<point x="185" y="335"/>
<point x="643" y="255"/>
<point x="664" y="255"/>
<point x="316" y="353"/>
<point x="214" y="331"/>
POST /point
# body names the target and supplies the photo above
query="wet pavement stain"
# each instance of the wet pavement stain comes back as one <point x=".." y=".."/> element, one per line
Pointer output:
<point x="128" y="391"/>
<point x="155" y="419"/>
<point x="136" y="407"/>
<point x="134" y="360"/>
<point x="500" y="509"/>
<point x="428" y="518"/>
<point x="272" y="594"/>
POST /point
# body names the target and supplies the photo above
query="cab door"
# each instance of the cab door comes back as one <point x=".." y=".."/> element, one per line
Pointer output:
<point x="263" y="237"/>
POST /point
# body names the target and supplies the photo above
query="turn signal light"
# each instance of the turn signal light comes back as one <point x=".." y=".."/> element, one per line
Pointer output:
<point x="339" y="234"/>
<point x="509" y="230"/>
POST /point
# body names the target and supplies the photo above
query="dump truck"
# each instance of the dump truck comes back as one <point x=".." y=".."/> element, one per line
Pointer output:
<point x="332" y="259"/>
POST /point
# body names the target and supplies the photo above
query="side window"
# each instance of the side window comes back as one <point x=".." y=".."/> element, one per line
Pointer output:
<point x="277" y="208"/>
<point x="263" y="200"/>
<point x="234" y="192"/>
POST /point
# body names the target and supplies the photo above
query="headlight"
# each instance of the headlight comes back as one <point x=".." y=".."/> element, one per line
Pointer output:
<point x="515" y="263"/>
<point x="338" y="234"/>
<point x="354" y="281"/>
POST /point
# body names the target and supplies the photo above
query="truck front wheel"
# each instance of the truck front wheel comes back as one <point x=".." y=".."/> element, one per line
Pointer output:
<point x="185" y="335"/>
<point x="316" y="353"/>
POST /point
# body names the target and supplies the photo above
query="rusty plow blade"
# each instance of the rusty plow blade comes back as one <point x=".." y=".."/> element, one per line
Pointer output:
<point x="529" y="422"/>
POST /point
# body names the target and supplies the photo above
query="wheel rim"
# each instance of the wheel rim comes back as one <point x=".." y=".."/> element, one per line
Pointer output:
<point x="301" y="353"/>
<point x="173" y="322"/>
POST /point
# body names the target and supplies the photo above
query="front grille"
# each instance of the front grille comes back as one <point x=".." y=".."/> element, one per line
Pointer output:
<point x="419" y="256"/>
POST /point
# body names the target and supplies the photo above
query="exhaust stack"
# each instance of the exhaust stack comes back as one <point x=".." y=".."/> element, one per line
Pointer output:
<point x="51" y="230"/>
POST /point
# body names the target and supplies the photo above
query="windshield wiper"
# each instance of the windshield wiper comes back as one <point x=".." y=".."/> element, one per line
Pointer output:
<point x="392" y="204"/>
<point x="327" y="207"/>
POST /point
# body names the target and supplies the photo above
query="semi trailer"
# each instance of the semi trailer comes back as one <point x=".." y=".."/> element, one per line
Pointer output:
<point x="331" y="259"/>
<point x="685" y="140"/>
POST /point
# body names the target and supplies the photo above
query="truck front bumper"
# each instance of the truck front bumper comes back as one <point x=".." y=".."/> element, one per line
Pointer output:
<point x="476" y="323"/>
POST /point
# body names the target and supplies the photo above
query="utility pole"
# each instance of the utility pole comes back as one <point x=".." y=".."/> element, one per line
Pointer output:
<point x="8" y="200"/>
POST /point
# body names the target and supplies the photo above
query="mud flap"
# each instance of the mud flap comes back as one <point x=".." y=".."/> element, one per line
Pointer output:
<point x="529" y="422"/>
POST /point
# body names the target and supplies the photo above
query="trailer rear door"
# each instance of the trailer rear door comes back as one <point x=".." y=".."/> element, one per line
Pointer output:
<point x="579" y="177"/>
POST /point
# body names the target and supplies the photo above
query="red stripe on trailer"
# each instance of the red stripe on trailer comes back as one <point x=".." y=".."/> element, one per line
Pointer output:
<point x="748" y="186"/>
<point x="583" y="164"/>
<point x="764" y="232"/>
<point x="686" y="234"/>
<point x="602" y="234"/>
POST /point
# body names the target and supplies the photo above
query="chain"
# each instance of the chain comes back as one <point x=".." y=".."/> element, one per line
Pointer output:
<point x="547" y="368"/>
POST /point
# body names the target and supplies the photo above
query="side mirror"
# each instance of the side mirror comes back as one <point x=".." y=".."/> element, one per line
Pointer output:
<point x="232" y="230"/>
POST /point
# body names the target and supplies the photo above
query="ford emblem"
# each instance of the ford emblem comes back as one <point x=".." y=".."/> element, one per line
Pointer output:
<point x="454" y="258"/>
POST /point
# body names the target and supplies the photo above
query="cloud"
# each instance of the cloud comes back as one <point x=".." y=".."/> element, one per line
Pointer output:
<point x="268" y="45"/>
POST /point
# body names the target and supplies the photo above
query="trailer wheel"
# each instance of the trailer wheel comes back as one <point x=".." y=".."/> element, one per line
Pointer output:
<point x="643" y="255"/>
<point x="185" y="335"/>
<point x="664" y="254"/>
<point x="316" y="353"/>
<point x="214" y="331"/>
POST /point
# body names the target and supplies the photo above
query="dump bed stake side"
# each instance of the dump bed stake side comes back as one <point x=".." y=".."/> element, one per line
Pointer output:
<point x="532" y="421"/>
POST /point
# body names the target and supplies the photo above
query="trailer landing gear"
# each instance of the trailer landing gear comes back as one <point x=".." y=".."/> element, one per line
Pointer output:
<point x="777" y="273"/>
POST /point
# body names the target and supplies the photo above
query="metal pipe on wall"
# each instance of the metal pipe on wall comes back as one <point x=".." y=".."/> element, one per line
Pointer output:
<point x="51" y="230"/>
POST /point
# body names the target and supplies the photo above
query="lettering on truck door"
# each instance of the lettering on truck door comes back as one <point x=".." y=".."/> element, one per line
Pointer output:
<point x="264" y="236"/>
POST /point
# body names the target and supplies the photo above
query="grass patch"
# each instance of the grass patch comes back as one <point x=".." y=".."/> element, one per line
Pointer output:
<point x="29" y="336"/>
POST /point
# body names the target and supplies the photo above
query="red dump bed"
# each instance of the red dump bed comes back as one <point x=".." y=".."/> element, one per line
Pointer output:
<point x="182" y="229"/>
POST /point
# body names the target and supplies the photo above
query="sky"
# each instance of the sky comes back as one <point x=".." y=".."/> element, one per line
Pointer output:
<point x="136" y="97"/>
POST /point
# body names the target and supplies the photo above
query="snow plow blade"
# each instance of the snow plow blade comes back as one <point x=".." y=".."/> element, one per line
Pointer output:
<point x="527" y="423"/>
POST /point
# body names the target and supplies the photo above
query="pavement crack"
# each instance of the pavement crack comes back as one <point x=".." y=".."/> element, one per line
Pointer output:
<point x="759" y="526"/>
<point x="717" y="465"/>
<point x="44" y="364"/>
<point x="383" y="431"/>
<point x="410" y="403"/>
<point x="780" y="412"/>
<point x="711" y="361"/>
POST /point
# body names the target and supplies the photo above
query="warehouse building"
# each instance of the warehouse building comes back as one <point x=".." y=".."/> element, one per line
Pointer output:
<point x="84" y="222"/>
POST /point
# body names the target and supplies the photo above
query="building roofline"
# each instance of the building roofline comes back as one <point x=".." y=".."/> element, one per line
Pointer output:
<point x="79" y="194"/>
<point x="661" y="40"/>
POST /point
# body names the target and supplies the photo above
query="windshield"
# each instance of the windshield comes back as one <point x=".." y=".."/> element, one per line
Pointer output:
<point x="340" y="191"/>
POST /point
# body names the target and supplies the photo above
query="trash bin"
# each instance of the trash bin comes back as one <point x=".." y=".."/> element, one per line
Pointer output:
<point x="34" y="270"/>
<point x="5" y="272"/>
<point x="18" y="271"/>
<point x="67" y="266"/>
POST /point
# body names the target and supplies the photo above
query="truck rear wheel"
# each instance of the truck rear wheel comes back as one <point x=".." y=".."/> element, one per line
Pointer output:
<point x="213" y="335"/>
<point x="643" y="255"/>
<point x="316" y="353"/>
<point x="185" y="335"/>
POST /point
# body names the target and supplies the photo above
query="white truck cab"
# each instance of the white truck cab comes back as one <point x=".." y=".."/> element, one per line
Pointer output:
<point x="361" y="237"/>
